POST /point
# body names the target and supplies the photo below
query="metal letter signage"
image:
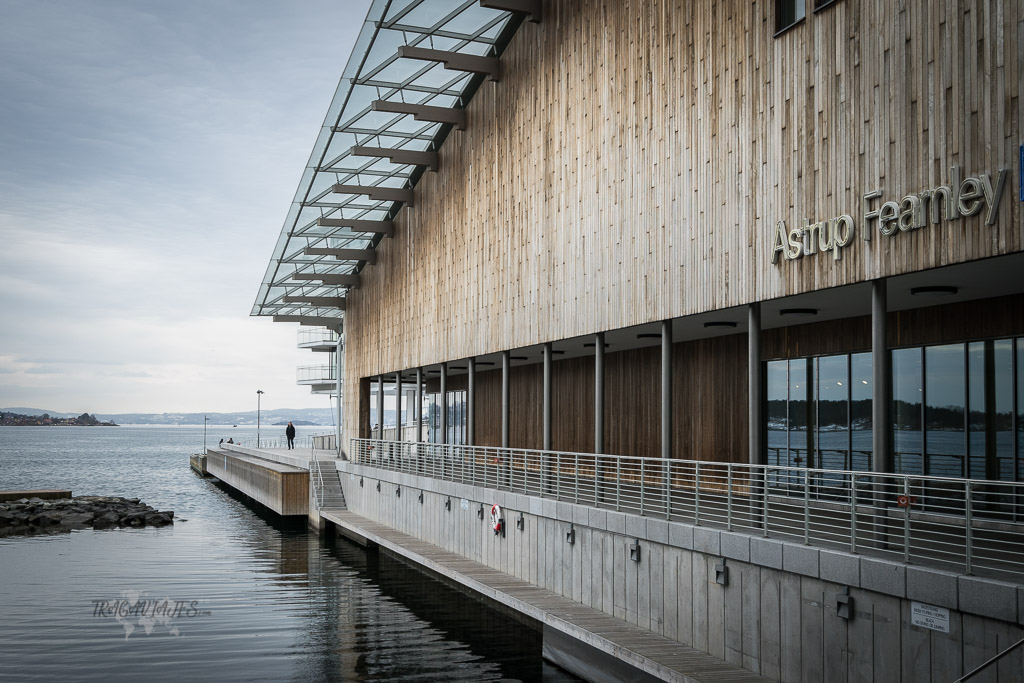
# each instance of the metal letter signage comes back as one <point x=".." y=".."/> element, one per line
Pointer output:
<point x="972" y="196"/>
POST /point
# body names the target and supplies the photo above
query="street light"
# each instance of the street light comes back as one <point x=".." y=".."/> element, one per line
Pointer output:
<point x="206" y="418"/>
<point x="259" y="395"/>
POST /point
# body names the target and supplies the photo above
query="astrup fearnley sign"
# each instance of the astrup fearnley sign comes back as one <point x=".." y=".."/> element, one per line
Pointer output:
<point x="959" y="199"/>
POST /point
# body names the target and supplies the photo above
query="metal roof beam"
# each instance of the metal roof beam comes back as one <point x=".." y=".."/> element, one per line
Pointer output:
<point x="456" y="61"/>
<point x="398" y="156"/>
<point x="377" y="227"/>
<point x="313" y="321"/>
<point x="377" y="193"/>
<point x="531" y="8"/>
<point x="368" y="255"/>
<point x="321" y="301"/>
<point x="423" y="112"/>
<point x="350" y="279"/>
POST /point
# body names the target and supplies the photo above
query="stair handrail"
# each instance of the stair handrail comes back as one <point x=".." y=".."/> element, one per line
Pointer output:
<point x="977" y="670"/>
<point x="318" y="480"/>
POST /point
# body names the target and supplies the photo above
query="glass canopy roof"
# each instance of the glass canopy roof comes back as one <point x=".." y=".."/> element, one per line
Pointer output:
<point x="375" y="71"/>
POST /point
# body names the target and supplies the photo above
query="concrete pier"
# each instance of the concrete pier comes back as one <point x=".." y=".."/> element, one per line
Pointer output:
<point x="777" y="608"/>
<point x="281" y="487"/>
<point x="579" y="638"/>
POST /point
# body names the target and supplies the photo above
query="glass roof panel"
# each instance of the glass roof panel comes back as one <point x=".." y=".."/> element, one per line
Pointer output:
<point x="373" y="71"/>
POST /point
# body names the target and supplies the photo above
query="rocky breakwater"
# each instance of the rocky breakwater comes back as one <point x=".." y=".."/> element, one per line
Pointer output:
<point x="28" y="516"/>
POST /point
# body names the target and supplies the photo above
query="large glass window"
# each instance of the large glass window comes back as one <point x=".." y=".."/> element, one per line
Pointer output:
<point x="957" y="410"/>
<point x="456" y="417"/>
<point x="819" y="412"/>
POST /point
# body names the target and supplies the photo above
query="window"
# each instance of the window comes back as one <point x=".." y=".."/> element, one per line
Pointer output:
<point x="456" y="417"/>
<point x="819" y="412"/>
<point x="957" y="411"/>
<point x="788" y="13"/>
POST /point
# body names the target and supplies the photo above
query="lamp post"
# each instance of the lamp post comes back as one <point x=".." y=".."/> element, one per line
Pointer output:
<point x="206" y="418"/>
<point x="259" y="395"/>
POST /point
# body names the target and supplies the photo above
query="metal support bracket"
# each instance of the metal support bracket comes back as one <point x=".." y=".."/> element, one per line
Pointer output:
<point x="456" y="61"/>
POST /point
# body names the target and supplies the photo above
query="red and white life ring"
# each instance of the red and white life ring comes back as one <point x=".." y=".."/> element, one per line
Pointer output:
<point x="496" y="519"/>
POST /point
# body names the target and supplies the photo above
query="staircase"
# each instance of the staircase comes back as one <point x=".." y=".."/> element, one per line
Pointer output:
<point x="333" y="496"/>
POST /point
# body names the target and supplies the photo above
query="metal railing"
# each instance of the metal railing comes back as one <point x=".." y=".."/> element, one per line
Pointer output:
<point x="315" y="374"/>
<point x="974" y="526"/>
<point x="974" y="672"/>
<point x="316" y="336"/>
<point x="304" y="441"/>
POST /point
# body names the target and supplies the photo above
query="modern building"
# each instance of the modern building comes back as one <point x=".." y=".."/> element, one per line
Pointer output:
<point x="772" y="234"/>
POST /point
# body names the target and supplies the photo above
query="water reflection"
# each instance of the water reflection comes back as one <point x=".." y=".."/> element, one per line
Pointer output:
<point x="275" y="602"/>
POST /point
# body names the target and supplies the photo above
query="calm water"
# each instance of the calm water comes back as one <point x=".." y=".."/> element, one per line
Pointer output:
<point x="248" y="598"/>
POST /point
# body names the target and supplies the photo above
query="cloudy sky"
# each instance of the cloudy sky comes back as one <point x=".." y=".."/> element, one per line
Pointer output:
<point x="148" y="154"/>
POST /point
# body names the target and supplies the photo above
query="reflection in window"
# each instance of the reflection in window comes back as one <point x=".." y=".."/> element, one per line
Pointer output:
<point x="819" y="412"/>
<point x="832" y="433"/>
<point x="907" y="388"/>
<point x="456" y="426"/>
<point x="788" y="12"/>
<point x="861" y="439"/>
<point x="944" y="410"/>
<point x="954" y="410"/>
<point x="777" y="411"/>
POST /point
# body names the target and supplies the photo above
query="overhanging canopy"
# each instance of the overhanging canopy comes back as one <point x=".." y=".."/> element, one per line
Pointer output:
<point x="418" y="104"/>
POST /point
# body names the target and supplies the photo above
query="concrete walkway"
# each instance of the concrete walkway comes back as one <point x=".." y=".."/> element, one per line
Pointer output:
<point x="653" y="654"/>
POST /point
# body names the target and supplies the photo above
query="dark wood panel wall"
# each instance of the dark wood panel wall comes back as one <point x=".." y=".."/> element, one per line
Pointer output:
<point x="982" y="319"/>
<point x="634" y="159"/>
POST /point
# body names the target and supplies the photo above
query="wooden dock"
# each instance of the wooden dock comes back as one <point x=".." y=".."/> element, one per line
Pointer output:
<point x="590" y="631"/>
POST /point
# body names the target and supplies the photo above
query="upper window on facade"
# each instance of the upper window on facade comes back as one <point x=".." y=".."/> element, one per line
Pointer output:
<point x="788" y="13"/>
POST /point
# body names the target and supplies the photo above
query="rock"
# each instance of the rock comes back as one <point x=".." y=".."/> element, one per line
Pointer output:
<point x="105" y="521"/>
<point x="158" y="519"/>
<point x="77" y="520"/>
<point x="133" y="520"/>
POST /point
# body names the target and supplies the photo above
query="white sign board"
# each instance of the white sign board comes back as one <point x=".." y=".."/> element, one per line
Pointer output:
<point x="465" y="504"/>
<point x="929" y="616"/>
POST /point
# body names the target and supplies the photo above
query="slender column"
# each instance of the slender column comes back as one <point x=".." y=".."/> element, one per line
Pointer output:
<point x="666" y="389"/>
<point x="339" y="368"/>
<point x="398" y="407"/>
<point x="880" y="425"/>
<point x="755" y="390"/>
<point x="599" y="392"/>
<point x="506" y="362"/>
<point x="471" y="403"/>
<point x="419" y="404"/>
<point x="444" y="402"/>
<point x="380" y="407"/>
<point x="547" y="396"/>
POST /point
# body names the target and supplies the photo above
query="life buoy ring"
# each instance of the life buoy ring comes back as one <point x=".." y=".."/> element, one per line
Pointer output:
<point x="496" y="519"/>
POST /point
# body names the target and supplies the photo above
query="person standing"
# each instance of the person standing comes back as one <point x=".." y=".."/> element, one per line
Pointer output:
<point x="290" y="433"/>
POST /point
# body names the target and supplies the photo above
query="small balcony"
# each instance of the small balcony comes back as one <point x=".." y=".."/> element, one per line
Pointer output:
<point x="321" y="379"/>
<point x="317" y="339"/>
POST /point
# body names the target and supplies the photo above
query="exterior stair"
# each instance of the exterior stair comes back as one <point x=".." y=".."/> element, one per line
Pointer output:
<point x="334" y="497"/>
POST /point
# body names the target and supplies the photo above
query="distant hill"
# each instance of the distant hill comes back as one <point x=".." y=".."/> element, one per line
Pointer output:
<point x="323" y="417"/>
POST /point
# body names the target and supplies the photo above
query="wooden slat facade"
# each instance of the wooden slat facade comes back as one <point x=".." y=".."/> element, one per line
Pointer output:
<point x="632" y="163"/>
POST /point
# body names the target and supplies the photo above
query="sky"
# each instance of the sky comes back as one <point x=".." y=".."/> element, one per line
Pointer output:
<point x="149" y="152"/>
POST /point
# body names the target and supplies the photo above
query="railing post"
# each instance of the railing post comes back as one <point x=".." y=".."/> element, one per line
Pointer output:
<point x="906" y="521"/>
<point x="643" y="479"/>
<point x="618" y="484"/>
<point x="728" y="505"/>
<point x="764" y="501"/>
<point x="696" y="493"/>
<point x="807" y="507"/>
<point x="853" y="512"/>
<point x="668" y="490"/>
<point x="576" y="472"/>
<point x="968" y="529"/>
